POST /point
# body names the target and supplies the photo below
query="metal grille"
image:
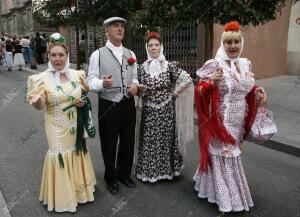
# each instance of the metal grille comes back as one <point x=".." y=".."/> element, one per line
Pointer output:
<point x="179" y="45"/>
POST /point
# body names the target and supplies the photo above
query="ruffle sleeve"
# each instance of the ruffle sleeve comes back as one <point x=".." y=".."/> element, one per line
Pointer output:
<point x="35" y="86"/>
<point x="206" y="71"/>
<point x="181" y="77"/>
<point x="246" y="66"/>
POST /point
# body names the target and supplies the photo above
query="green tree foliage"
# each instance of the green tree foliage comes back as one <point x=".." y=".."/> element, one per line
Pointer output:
<point x="80" y="12"/>
<point x="156" y="14"/>
<point x="164" y="13"/>
<point x="152" y="14"/>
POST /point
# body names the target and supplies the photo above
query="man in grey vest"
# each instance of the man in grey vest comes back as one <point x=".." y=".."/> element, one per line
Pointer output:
<point x="113" y="74"/>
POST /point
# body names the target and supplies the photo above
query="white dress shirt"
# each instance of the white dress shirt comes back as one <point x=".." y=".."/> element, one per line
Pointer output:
<point x="95" y="83"/>
<point x="24" y="42"/>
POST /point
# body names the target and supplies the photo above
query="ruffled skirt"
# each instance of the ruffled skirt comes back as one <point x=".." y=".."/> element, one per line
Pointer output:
<point x="8" y="56"/>
<point x="19" y="60"/>
<point x="225" y="184"/>
<point x="63" y="188"/>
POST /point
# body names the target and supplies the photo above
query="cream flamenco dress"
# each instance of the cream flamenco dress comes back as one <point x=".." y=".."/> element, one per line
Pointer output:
<point x="68" y="178"/>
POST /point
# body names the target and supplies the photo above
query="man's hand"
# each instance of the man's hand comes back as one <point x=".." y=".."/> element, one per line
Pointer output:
<point x="142" y="88"/>
<point x="133" y="89"/>
<point x="107" y="81"/>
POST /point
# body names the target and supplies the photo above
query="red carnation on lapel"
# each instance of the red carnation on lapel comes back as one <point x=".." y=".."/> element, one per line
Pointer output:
<point x="131" y="61"/>
<point x="232" y="26"/>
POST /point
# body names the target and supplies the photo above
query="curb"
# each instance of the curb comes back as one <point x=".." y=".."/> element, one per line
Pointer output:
<point x="278" y="146"/>
<point x="32" y="71"/>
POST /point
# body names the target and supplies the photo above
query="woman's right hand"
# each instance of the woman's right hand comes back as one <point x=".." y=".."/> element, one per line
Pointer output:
<point x="37" y="101"/>
<point x="217" y="76"/>
<point x="34" y="99"/>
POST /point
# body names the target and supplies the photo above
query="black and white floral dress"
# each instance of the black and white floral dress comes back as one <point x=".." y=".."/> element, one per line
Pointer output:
<point x="158" y="155"/>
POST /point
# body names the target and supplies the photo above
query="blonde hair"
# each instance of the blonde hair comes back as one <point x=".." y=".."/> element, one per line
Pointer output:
<point x="52" y="45"/>
<point x="231" y="35"/>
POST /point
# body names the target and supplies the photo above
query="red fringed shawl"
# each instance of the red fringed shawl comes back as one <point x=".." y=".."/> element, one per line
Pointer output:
<point x="210" y="123"/>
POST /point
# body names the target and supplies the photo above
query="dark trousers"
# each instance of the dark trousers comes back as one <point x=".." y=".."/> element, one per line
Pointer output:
<point x="117" y="120"/>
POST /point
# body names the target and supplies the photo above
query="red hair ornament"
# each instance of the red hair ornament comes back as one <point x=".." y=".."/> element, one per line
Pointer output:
<point x="233" y="26"/>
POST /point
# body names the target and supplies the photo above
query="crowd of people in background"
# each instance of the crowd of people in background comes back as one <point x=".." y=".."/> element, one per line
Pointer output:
<point x="17" y="51"/>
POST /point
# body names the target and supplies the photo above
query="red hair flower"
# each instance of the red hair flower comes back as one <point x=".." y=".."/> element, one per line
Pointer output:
<point x="131" y="61"/>
<point x="232" y="26"/>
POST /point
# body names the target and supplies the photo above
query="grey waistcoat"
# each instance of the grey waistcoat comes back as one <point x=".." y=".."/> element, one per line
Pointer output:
<point x="121" y="74"/>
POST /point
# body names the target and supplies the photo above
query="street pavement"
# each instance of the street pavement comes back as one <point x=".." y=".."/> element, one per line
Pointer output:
<point x="273" y="176"/>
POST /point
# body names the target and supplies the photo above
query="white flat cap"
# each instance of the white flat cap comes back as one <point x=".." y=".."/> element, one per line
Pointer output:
<point x="111" y="20"/>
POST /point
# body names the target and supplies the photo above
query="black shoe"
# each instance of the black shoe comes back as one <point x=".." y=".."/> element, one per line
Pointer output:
<point x="113" y="188"/>
<point x="128" y="182"/>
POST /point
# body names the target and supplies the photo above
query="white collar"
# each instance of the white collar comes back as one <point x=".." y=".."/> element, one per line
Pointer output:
<point x="66" y="70"/>
<point x="113" y="47"/>
<point x="155" y="66"/>
<point x="221" y="54"/>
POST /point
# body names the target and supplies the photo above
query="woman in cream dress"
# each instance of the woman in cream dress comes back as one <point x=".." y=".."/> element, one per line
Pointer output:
<point x="68" y="174"/>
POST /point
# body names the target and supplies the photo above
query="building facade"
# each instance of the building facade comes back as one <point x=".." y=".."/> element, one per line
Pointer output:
<point x="293" y="49"/>
<point x="16" y="18"/>
<point x="265" y="45"/>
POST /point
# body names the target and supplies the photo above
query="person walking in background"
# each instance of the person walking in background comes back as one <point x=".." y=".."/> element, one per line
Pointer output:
<point x="33" y="58"/>
<point x="13" y="44"/>
<point x="25" y="42"/>
<point x="8" y="55"/>
<point x="2" y="50"/>
<point x="19" y="59"/>
<point x="82" y="50"/>
<point x="38" y="48"/>
<point x="44" y="43"/>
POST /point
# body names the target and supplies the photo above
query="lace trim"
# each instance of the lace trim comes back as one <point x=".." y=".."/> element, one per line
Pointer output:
<point x="224" y="209"/>
<point x="160" y="105"/>
<point x="196" y="178"/>
<point x="52" y="83"/>
<point x="69" y="209"/>
<point x="62" y="151"/>
<point x="152" y="179"/>
<point x="68" y="124"/>
<point x="164" y="68"/>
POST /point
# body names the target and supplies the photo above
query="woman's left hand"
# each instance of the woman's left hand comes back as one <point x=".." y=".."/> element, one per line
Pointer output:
<point x="79" y="103"/>
<point x="262" y="95"/>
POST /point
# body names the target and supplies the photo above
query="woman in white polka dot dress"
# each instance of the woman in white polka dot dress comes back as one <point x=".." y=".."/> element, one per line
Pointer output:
<point x="226" y="105"/>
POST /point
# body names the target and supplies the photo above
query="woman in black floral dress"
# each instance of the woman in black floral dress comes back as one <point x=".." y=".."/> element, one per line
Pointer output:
<point x="158" y="155"/>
